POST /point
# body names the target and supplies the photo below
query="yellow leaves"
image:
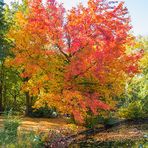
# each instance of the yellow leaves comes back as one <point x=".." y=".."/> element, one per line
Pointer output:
<point x="73" y="127"/>
<point x="95" y="47"/>
<point x="8" y="62"/>
<point x="67" y="102"/>
<point x="22" y="21"/>
<point x="66" y="63"/>
<point x="144" y="60"/>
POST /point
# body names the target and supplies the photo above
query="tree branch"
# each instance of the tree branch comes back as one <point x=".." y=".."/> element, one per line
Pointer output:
<point x="63" y="53"/>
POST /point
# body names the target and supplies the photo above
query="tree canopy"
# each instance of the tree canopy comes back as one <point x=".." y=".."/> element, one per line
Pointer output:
<point x="75" y="61"/>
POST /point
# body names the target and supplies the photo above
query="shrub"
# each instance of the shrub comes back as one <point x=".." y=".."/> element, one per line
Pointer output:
<point x="44" y="112"/>
<point x="135" y="109"/>
<point x="9" y="133"/>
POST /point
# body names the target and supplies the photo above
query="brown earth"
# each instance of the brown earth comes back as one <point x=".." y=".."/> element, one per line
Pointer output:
<point x="44" y="125"/>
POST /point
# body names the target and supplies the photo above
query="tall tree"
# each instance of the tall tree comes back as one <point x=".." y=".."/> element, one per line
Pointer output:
<point x="10" y="81"/>
<point x="22" y="8"/>
<point x="76" y="63"/>
<point x="4" y="46"/>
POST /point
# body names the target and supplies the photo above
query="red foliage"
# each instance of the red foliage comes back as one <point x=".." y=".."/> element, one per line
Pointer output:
<point x="90" y="41"/>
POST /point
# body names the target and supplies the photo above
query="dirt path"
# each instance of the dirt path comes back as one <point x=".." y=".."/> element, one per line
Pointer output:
<point x="44" y="125"/>
<point x="34" y="124"/>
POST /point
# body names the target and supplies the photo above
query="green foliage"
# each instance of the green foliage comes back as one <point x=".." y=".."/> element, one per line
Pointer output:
<point x="43" y="112"/>
<point x="26" y="140"/>
<point x="136" y="94"/>
<point x="70" y="119"/>
<point x="9" y="137"/>
<point x="4" y="26"/>
<point x="13" y="98"/>
<point x="134" y="110"/>
<point x="92" y="121"/>
<point x="31" y="139"/>
<point x="10" y="82"/>
<point x="9" y="133"/>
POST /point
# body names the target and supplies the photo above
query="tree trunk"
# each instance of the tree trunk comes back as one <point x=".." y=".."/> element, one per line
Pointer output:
<point x="5" y="101"/>
<point x="1" y="98"/>
<point x="14" y="103"/>
<point x="28" y="104"/>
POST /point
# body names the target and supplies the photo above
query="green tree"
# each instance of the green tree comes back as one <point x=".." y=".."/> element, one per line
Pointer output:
<point x="17" y="98"/>
<point x="4" y="46"/>
<point x="10" y="82"/>
<point x="135" y="105"/>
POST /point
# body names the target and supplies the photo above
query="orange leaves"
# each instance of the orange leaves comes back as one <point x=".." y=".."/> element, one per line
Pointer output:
<point x="70" y="59"/>
<point x="78" y="116"/>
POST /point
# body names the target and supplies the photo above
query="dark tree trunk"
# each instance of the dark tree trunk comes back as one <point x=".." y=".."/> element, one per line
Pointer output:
<point x="5" y="101"/>
<point x="1" y="98"/>
<point x="28" y="104"/>
<point x="14" y="103"/>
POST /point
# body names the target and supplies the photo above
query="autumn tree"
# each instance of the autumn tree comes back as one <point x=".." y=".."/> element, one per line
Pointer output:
<point x="74" y="61"/>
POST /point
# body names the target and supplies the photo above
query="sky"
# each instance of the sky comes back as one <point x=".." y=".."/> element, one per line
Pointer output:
<point x="138" y="10"/>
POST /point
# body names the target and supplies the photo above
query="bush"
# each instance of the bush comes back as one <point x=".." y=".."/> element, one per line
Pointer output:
<point x="30" y="140"/>
<point x="106" y="118"/>
<point x="25" y="140"/>
<point x="44" y="112"/>
<point x="91" y="121"/>
<point x="9" y="132"/>
<point x="135" y="109"/>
